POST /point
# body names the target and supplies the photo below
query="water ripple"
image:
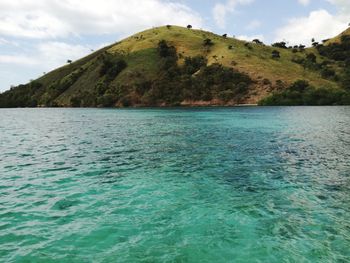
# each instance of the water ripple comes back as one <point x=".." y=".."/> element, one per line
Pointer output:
<point x="176" y="185"/>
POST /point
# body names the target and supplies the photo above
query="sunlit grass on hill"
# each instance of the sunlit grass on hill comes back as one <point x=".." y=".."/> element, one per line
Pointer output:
<point x="256" y="60"/>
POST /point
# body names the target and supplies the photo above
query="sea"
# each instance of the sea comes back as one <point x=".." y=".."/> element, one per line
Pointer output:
<point x="244" y="184"/>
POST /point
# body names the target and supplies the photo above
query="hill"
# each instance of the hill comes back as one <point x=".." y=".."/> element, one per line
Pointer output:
<point x="337" y="39"/>
<point x="172" y="65"/>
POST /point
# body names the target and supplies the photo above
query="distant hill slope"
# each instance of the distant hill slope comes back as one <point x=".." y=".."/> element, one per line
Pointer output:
<point x="173" y="65"/>
<point x="337" y="39"/>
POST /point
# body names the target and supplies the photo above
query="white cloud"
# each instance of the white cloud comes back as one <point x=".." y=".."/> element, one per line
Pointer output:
<point x="47" y="27"/>
<point x="47" y="55"/>
<point x="250" y="38"/>
<point x="4" y="41"/>
<point x="43" y="58"/>
<point x="18" y="59"/>
<point x="304" y="2"/>
<point x="320" y="24"/>
<point x="221" y="10"/>
<point x="57" y="53"/>
<point x="55" y="18"/>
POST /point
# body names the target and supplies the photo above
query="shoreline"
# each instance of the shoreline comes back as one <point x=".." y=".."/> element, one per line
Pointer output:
<point x="181" y="107"/>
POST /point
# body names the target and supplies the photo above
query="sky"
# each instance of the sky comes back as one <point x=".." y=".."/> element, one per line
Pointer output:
<point x="37" y="36"/>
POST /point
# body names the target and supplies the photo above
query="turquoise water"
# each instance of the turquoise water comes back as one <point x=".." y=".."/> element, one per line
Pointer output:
<point x="175" y="185"/>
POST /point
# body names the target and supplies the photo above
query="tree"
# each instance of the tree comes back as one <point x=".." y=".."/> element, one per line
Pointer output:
<point x="311" y="57"/>
<point x="111" y="67"/>
<point x="257" y="41"/>
<point x="107" y="100"/>
<point x="193" y="64"/>
<point x="302" y="47"/>
<point x="276" y="54"/>
<point x="69" y="61"/>
<point x="166" y="51"/>
<point x="189" y="26"/>
<point x="224" y="35"/>
<point x="299" y="85"/>
<point x="280" y="44"/>
<point x="346" y="79"/>
<point x="75" y="102"/>
<point x="247" y="45"/>
<point x="347" y="62"/>
<point x="208" y="42"/>
<point x="327" y="73"/>
<point x="168" y="26"/>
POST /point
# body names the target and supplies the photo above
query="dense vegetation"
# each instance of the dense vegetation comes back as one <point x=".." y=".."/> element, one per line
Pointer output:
<point x="302" y="93"/>
<point x="21" y="96"/>
<point x="34" y="93"/>
<point x="194" y="80"/>
<point x="339" y="52"/>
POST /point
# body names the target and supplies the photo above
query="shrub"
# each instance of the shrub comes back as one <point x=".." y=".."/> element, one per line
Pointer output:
<point x="301" y="93"/>
<point x="280" y="45"/>
<point x="166" y="51"/>
<point x="345" y="81"/>
<point x="242" y="87"/>
<point x="107" y="100"/>
<point x="208" y="42"/>
<point x="299" y="85"/>
<point x="112" y="66"/>
<point x="327" y="73"/>
<point x="276" y="54"/>
<point x="193" y="64"/>
<point x="226" y="95"/>
<point x="311" y="57"/>
<point x="266" y="82"/>
<point x="257" y="41"/>
<point x="280" y="85"/>
<point x="248" y="46"/>
<point x="75" y="102"/>
<point x="126" y="101"/>
<point x="117" y="68"/>
<point x="101" y="88"/>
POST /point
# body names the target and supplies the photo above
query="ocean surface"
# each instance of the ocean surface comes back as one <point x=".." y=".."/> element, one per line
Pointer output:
<point x="175" y="185"/>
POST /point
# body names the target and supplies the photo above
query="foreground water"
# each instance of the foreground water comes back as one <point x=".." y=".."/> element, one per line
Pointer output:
<point x="177" y="185"/>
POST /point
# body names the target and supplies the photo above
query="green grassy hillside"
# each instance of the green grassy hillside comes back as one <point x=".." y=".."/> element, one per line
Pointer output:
<point x="134" y="72"/>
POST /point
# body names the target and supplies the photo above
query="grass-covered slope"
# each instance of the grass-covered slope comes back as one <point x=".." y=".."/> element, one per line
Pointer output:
<point x="336" y="67"/>
<point x="192" y="67"/>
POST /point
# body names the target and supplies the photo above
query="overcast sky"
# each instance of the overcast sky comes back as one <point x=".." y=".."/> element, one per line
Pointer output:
<point x="37" y="36"/>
